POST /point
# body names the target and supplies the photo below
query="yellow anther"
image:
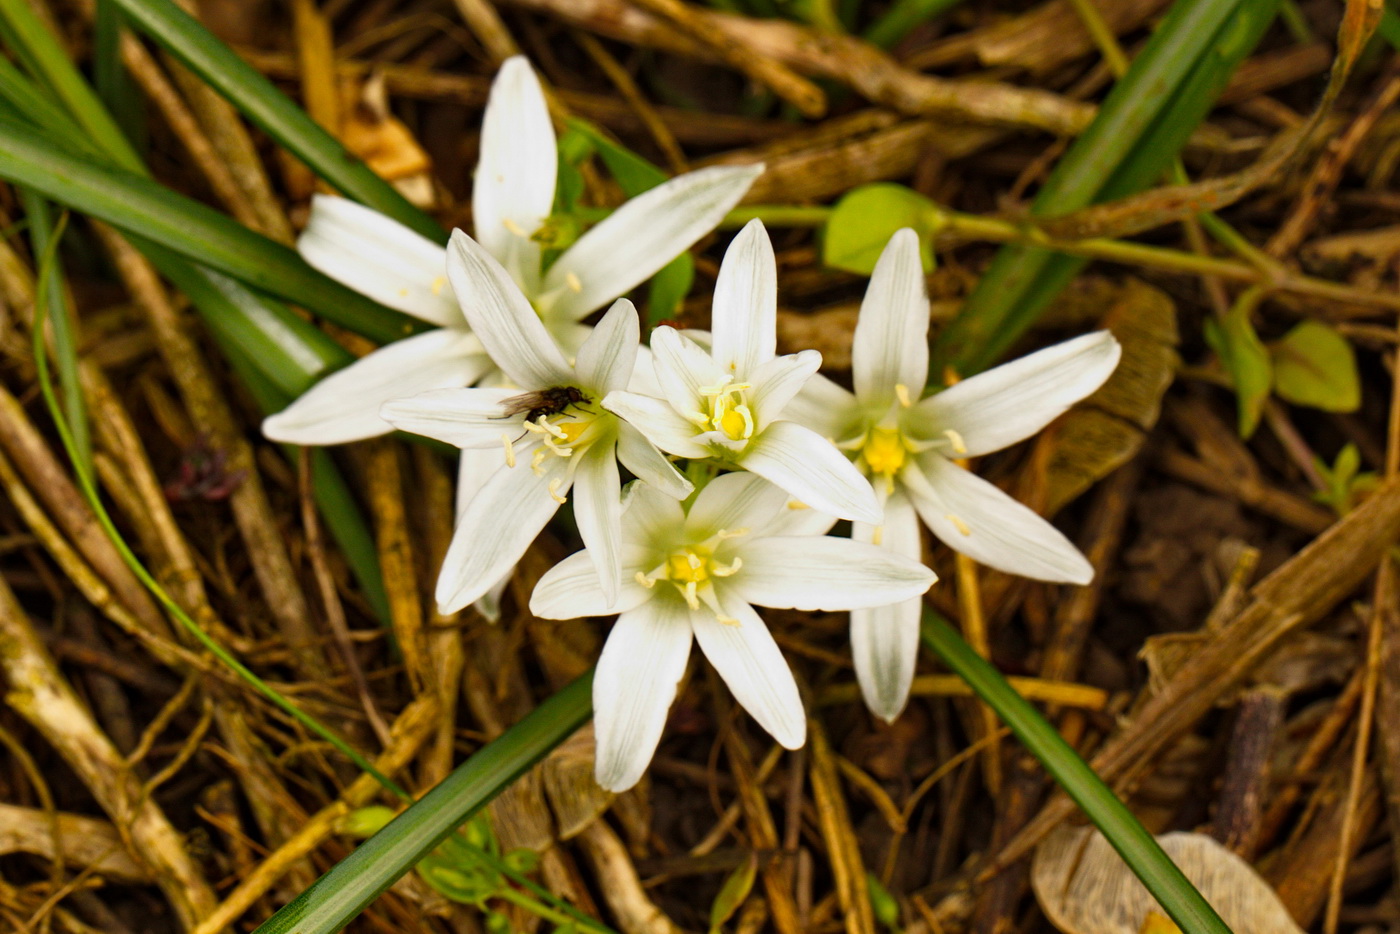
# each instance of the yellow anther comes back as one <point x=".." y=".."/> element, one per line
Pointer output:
<point x="438" y="283"/>
<point x="877" y="536"/>
<point x="537" y="462"/>
<point x="403" y="293"/>
<point x="727" y="620"/>
<point x="569" y="431"/>
<point x="956" y="440"/>
<point x="725" y="570"/>
<point x="554" y="486"/>
<point x="722" y="534"/>
<point x="797" y="504"/>
<point x="901" y="392"/>
<point x="513" y="227"/>
<point x="510" y="449"/>
<point x="645" y="581"/>
<point x="573" y="282"/>
<point x="958" y="524"/>
<point x="691" y="600"/>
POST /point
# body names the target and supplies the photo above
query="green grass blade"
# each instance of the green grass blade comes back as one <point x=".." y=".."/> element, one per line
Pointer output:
<point x="109" y="78"/>
<point x="143" y="207"/>
<point x="902" y="17"/>
<point x="1138" y="848"/>
<point x="1141" y="127"/>
<point x="343" y="892"/>
<point x="203" y="53"/>
<point x="61" y="320"/>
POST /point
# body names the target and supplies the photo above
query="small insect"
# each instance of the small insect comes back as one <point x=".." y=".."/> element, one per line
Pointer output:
<point x="543" y="402"/>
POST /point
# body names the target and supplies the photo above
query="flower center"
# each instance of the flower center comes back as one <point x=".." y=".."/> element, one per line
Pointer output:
<point x="692" y="568"/>
<point x="884" y="452"/>
<point x="726" y="409"/>
<point x="561" y="434"/>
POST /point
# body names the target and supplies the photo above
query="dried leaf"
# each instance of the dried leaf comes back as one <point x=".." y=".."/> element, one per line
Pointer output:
<point x="567" y="773"/>
<point x="1107" y="429"/>
<point x="1084" y="887"/>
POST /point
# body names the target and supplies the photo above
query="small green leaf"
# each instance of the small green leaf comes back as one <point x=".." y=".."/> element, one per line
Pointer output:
<point x="366" y="821"/>
<point x="886" y="905"/>
<point x="634" y="174"/>
<point x="1316" y="367"/>
<point x="863" y="221"/>
<point x="1245" y="358"/>
<point x="669" y="288"/>
<point x="732" y="894"/>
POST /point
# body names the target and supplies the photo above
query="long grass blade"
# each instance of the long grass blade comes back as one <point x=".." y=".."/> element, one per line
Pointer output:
<point x="203" y="53"/>
<point x="143" y="207"/>
<point x="1140" y="129"/>
<point x="343" y="892"/>
<point x="1138" y="848"/>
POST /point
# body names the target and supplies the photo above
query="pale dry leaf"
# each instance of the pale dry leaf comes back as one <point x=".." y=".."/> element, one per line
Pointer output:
<point x="1084" y="887"/>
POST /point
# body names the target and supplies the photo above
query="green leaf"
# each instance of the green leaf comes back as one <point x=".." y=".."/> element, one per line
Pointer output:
<point x="885" y="905"/>
<point x="203" y="53"/>
<point x="668" y="289"/>
<point x="143" y="207"/>
<point x="634" y="174"/>
<point x="865" y="218"/>
<point x="342" y="893"/>
<point x="1138" y="848"/>
<point x="1246" y="360"/>
<point x="1139" y="130"/>
<point x="1316" y="367"/>
<point x="732" y="894"/>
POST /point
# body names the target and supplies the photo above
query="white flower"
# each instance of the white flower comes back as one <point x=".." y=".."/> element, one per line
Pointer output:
<point x="512" y="196"/>
<point x="906" y="445"/>
<point x="548" y="433"/>
<point x="698" y="572"/>
<point x="725" y="402"/>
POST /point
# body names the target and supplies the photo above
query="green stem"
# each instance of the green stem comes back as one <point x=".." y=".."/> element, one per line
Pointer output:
<point x="1138" y="848"/>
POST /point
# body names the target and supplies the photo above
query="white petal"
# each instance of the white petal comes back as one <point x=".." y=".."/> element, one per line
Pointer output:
<point x="642" y="663"/>
<point x="813" y="470"/>
<point x="643" y="235"/>
<point x="1001" y="533"/>
<point x="606" y="359"/>
<point x="652" y="519"/>
<point x="494" y="530"/>
<point x="749" y="661"/>
<point x="745" y="315"/>
<point x="891" y="340"/>
<point x="489" y="606"/>
<point x="1017" y="399"/>
<point x="777" y="381"/>
<point x="734" y="501"/>
<point x="648" y="464"/>
<point x="513" y="192"/>
<point x="345" y="405"/>
<point x="797" y="519"/>
<point x="885" y="639"/>
<point x="570" y="589"/>
<point x="828" y="409"/>
<point x="598" y="511"/>
<point x="682" y="367"/>
<point x="819" y="572"/>
<point x="379" y="257"/>
<point x="661" y="424"/>
<point x="463" y="418"/>
<point x="502" y="318"/>
<point x="474" y="467"/>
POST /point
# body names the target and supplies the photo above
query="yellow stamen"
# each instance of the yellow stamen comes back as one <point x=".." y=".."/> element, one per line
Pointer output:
<point x="510" y="449"/>
<point x="796" y="504"/>
<point x="878" y="536"/>
<point x="537" y="462"/>
<point x="901" y="392"/>
<point x="645" y="581"/>
<point x="960" y="525"/>
<point x="722" y="570"/>
<point x="736" y="423"/>
<point x="573" y="282"/>
<point x="884" y="451"/>
<point x="691" y="600"/>
<point x="956" y="440"/>
<point x="728" y="620"/>
<point x="513" y="227"/>
<point x="438" y="283"/>
<point x="554" y="486"/>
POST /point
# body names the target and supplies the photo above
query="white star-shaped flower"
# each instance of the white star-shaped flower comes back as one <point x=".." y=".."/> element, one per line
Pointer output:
<point x="512" y="197"/>
<point x="906" y="445"/>
<point x="699" y="572"/>
<point x="726" y="402"/>
<point x="538" y="440"/>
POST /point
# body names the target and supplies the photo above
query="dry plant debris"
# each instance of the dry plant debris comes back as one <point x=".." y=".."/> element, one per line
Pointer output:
<point x="145" y="789"/>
